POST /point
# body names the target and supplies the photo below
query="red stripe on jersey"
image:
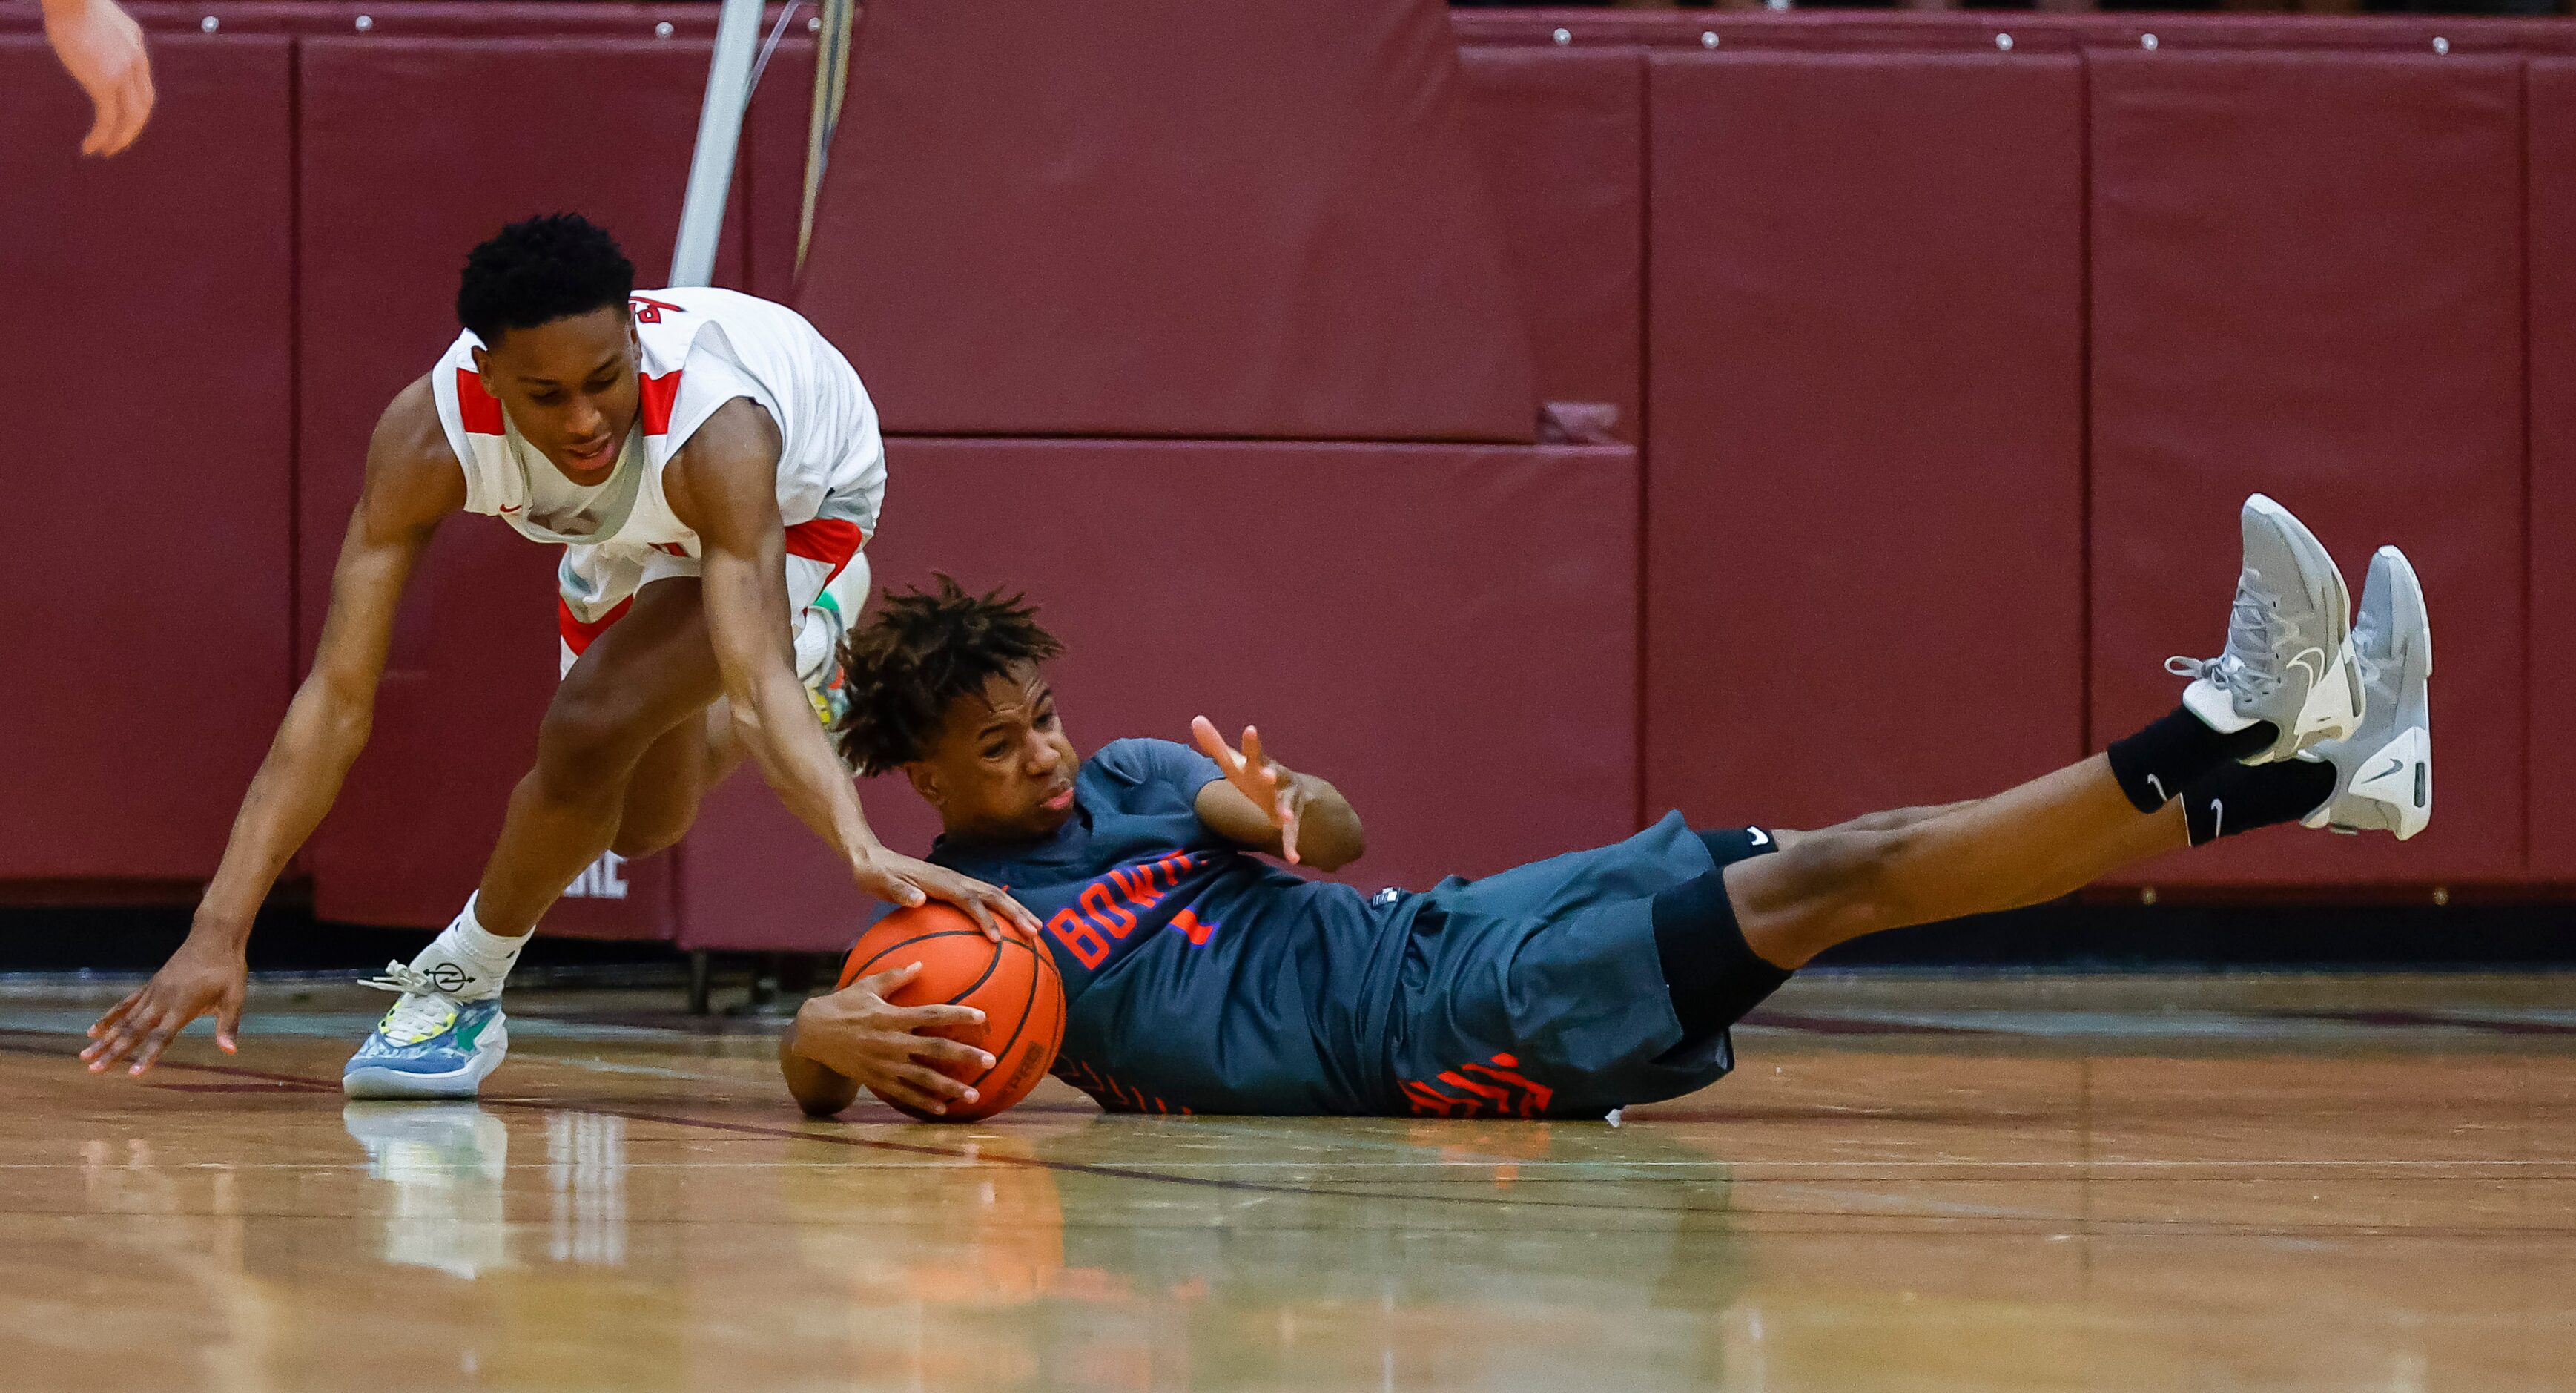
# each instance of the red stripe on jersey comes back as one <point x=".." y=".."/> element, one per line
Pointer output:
<point x="577" y="635"/>
<point x="832" y="541"/>
<point x="660" y="395"/>
<point x="481" y="411"/>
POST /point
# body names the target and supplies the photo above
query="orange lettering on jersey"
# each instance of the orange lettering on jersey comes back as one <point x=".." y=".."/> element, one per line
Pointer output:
<point x="1192" y="927"/>
<point x="1078" y="938"/>
<point x="1105" y="912"/>
<point x="1136" y="884"/>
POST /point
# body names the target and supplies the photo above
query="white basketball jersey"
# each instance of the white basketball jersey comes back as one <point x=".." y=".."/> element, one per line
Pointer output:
<point x="701" y="347"/>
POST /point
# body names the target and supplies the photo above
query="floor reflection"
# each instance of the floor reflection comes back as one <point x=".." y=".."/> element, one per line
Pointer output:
<point x="1497" y="1258"/>
<point x="586" y="1176"/>
<point x="444" y="1164"/>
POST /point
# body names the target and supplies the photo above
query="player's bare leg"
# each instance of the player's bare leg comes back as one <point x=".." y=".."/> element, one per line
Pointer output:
<point x="651" y="675"/>
<point x="630" y="717"/>
<point x="2046" y="838"/>
<point x="2289" y="681"/>
<point x="673" y="778"/>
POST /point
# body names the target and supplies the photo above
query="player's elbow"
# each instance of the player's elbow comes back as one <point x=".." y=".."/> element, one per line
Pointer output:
<point x="1341" y="845"/>
<point x="340" y="712"/>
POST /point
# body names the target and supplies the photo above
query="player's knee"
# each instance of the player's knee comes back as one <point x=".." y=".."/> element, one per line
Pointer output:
<point x="645" y="830"/>
<point x="1855" y="879"/>
<point x="586" y="744"/>
<point x="634" y="842"/>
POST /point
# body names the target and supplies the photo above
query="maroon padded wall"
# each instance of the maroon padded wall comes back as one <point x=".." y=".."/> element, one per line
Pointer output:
<point x="1166" y="217"/>
<point x="2307" y="278"/>
<point x="391" y="203"/>
<point x="1445" y="632"/>
<point x="1863" y="501"/>
<point x="1563" y="134"/>
<point x="2551" y="152"/>
<point x="144" y="543"/>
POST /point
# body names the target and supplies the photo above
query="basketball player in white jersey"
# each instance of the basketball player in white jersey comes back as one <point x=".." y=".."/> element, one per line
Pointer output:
<point x="712" y="467"/>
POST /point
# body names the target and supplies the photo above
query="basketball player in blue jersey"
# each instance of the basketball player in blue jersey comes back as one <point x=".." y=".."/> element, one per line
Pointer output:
<point x="1200" y="979"/>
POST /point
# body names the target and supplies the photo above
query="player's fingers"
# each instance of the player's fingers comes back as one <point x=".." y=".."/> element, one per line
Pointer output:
<point x="897" y="890"/>
<point x="983" y="917"/>
<point x="1288" y="826"/>
<point x="912" y="1020"/>
<point x="116" y="1046"/>
<point x="1213" y="745"/>
<point x="1252" y="749"/>
<point x="938" y="1085"/>
<point x="939" y="1049"/>
<point x="882" y="983"/>
<point x="905" y="1091"/>
<point x="155" y="1041"/>
<point x="228" y="1021"/>
<point x="115" y="1013"/>
<point x="133" y="110"/>
<point x="1019" y="915"/>
<point x="102" y="120"/>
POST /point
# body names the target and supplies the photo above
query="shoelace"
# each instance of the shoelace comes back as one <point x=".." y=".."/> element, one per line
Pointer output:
<point x="2251" y="661"/>
<point x="423" y="1010"/>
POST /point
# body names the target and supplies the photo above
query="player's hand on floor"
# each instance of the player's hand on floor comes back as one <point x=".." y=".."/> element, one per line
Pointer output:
<point x="102" y="47"/>
<point x="857" y="1033"/>
<point x="200" y="977"/>
<point x="1258" y="777"/>
<point x="904" y="882"/>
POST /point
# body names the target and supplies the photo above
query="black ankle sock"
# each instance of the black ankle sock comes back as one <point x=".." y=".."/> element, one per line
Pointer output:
<point x="2163" y="759"/>
<point x="2239" y="798"/>
<point x="1713" y="974"/>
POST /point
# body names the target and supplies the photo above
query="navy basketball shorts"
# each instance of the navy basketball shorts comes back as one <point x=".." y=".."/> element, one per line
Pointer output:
<point x="1540" y="992"/>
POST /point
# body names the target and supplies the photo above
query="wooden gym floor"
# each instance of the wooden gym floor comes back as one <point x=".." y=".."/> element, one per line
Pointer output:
<point x="1911" y="1183"/>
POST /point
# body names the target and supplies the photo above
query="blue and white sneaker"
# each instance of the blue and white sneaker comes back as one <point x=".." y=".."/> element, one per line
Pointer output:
<point x="430" y="1045"/>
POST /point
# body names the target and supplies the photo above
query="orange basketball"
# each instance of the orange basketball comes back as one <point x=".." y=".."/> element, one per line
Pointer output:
<point x="1014" y="984"/>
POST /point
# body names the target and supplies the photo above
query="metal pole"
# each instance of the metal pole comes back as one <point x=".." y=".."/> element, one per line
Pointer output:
<point x="693" y="261"/>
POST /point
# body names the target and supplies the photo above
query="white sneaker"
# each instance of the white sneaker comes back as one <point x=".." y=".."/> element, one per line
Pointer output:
<point x="2289" y="642"/>
<point x="2384" y="773"/>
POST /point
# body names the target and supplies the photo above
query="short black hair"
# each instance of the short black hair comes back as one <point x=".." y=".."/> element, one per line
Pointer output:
<point x="539" y="271"/>
<point x="921" y="651"/>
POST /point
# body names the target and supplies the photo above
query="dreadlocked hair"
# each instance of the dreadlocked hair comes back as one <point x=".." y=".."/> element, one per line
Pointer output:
<point x="921" y="651"/>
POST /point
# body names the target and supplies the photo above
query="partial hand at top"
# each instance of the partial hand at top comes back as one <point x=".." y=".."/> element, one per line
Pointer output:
<point x="102" y="47"/>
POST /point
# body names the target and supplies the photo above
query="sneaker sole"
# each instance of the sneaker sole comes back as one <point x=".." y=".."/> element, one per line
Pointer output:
<point x="377" y="1083"/>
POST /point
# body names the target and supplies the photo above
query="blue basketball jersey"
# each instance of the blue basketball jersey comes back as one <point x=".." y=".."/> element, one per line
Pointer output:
<point x="1197" y="977"/>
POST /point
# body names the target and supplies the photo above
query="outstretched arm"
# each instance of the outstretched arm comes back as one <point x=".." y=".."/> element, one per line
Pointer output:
<point x="1263" y="805"/>
<point x="725" y="487"/>
<point x="412" y="483"/>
